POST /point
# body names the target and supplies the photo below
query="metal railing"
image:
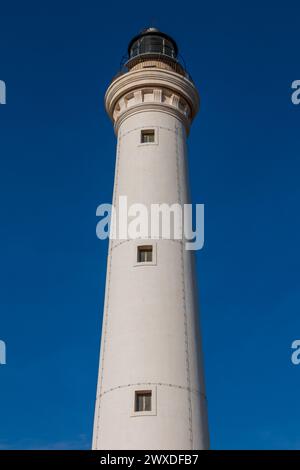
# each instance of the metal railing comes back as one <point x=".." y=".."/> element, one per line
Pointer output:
<point x="179" y="61"/>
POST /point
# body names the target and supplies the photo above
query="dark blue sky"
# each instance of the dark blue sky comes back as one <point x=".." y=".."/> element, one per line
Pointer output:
<point x="57" y="151"/>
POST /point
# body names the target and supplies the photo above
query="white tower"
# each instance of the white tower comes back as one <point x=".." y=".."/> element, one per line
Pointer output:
<point x="151" y="391"/>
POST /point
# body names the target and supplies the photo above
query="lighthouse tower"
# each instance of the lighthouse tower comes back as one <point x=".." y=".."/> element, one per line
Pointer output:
<point x="151" y="391"/>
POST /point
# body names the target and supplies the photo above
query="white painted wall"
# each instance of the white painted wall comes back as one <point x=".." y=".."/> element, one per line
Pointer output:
<point x="150" y="335"/>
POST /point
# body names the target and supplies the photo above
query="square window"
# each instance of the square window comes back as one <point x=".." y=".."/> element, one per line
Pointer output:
<point x="143" y="401"/>
<point x="144" y="254"/>
<point x="147" y="136"/>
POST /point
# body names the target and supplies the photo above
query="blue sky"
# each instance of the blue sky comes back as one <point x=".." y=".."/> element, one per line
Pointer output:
<point x="57" y="153"/>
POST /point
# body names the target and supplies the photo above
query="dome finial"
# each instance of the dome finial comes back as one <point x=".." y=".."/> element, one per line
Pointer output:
<point x="151" y="29"/>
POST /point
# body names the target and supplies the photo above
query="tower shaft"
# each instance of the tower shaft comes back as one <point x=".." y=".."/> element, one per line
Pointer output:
<point x="151" y="391"/>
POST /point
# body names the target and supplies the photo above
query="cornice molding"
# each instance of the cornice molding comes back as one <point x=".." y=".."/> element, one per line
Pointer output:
<point x="171" y="93"/>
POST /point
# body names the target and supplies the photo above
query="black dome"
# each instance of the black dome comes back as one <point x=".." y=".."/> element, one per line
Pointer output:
<point x="152" y="41"/>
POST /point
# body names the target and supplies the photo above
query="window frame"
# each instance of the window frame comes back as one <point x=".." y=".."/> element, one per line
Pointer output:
<point x="144" y="249"/>
<point x="147" y="129"/>
<point x="148" y="133"/>
<point x="144" y="394"/>
<point x="139" y="244"/>
<point x="144" y="388"/>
